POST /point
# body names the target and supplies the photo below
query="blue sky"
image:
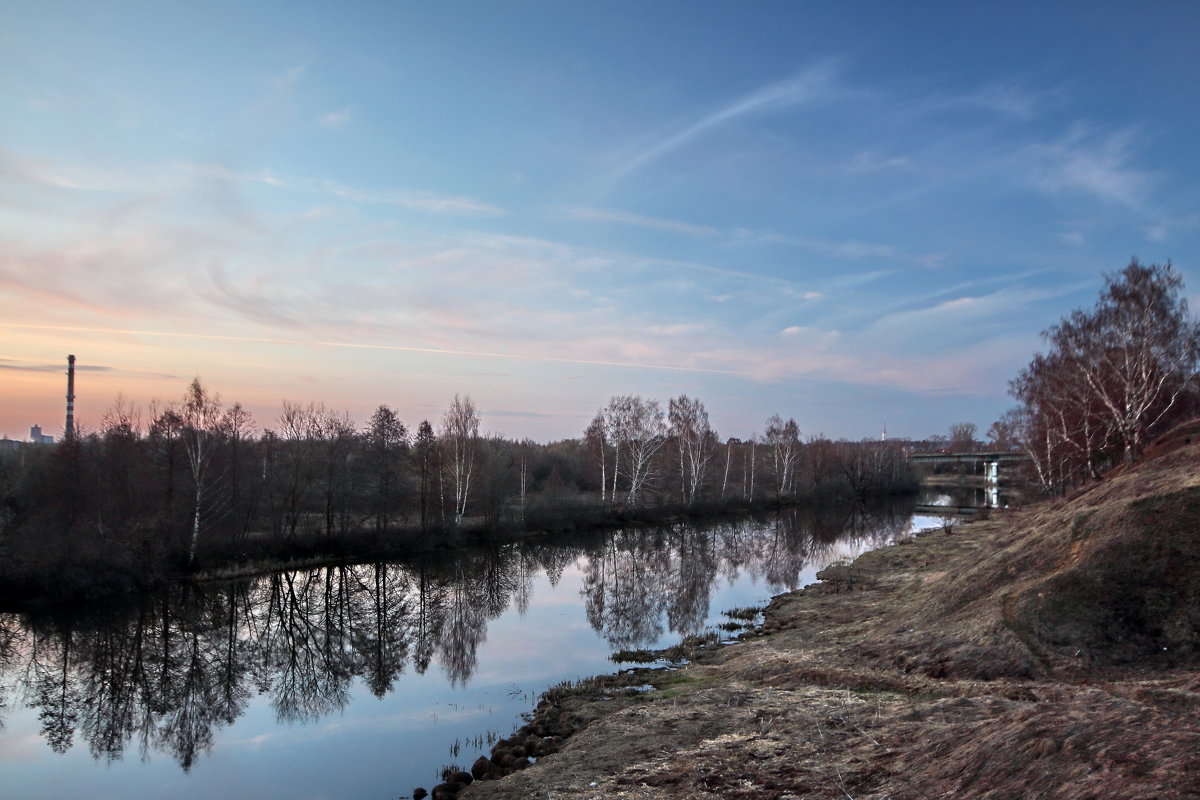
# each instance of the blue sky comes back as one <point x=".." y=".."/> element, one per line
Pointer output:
<point x="846" y="213"/>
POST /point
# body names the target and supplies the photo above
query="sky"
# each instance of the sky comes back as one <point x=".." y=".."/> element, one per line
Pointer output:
<point x="853" y="214"/>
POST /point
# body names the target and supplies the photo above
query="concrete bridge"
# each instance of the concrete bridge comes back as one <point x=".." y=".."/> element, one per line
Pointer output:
<point x="1006" y="457"/>
<point x="986" y="463"/>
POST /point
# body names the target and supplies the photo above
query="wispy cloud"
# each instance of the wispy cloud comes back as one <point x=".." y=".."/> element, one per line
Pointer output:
<point x="336" y="119"/>
<point x="494" y="412"/>
<point x="10" y="364"/>
<point x="13" y="167"/>
<point x="625" y="218"/>
<point x="1005" y="98"/>
<point x="309" y="343"/>
<point x="870" y="161"/>
<point x="1156" y="233"/>
<point x="178" y="178"/>
<point x="417" y="200"/>
<point x="849" y="249"/>
<point x="1093" y="163"/>
<point x="289" y="77"/>
<point x="814" y="83"/>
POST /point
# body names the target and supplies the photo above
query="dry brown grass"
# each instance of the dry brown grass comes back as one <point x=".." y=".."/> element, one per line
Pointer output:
<point x="1017" y="657"/>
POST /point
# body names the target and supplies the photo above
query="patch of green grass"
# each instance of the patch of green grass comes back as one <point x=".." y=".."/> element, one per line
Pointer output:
<point x="674" y="679"/>
<point x="673" y="685"/>
<point x="748" y="613"/>
<point x="634" y="657"/>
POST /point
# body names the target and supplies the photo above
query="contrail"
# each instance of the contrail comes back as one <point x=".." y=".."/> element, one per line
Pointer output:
<point x="808" y="85"/>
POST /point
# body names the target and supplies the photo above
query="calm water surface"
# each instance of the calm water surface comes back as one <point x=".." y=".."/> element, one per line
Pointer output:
<point x="361" y="681"/>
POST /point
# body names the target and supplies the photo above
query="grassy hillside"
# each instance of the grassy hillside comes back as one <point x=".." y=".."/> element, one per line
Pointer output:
<point x="1053" y="652"/>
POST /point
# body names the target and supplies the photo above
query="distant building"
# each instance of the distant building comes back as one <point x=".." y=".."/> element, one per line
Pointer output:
<point x="37" y="437"/>
<point x="8" y="445"/>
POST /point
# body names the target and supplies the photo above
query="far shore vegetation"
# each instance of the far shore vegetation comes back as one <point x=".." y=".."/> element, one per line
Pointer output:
<point x="197" y="487"/>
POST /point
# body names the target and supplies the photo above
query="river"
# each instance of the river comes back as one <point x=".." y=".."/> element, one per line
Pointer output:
<point x="361" y="681"/>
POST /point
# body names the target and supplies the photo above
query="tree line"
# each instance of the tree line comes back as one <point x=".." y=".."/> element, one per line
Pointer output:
<point x="197" y="481"/>
<point x="1112" y="378"/>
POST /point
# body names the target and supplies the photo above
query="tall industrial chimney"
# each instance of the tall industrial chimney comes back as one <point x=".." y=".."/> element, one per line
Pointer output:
<point x="70" y="434"/>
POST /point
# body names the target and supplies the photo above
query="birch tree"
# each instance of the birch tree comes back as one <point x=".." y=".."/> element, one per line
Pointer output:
<point x="645" y="434"/>
<point x="597" y="445"/>
<point x="460" y="438"/>
<point x="1113" y="374"/>
<point x="694" y="443"/>
<point x="784" y="440"/>
<point x="636" y="429"/>
<point x="1136" y="352"/>
<point x="200" y="416"/>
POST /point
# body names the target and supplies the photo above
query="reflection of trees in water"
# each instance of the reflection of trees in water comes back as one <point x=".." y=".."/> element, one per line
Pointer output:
<point x="694" y="568"/>
<point x="10" y="636"/>
<point x="302" y="644"/>
<point x="622" y="588"/>
<point x="57" y="698"/>
<point x="170" y="672"/>
<point x="464" y="628"/>
<point x="635" y="580"/>
<point x="386" y="630"/>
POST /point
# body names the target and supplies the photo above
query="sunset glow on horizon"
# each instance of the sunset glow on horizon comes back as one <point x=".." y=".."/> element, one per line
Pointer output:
<point x="847" y="215"/>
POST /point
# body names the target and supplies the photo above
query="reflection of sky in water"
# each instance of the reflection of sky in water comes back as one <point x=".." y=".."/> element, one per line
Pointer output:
<point x="384" y="747"/>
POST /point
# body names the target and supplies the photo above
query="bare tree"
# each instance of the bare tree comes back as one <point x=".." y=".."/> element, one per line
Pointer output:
<point x="164" y="434"/>
<point x="122" y="419"/>
<point x="749" y="467"/>
<point x="1002" y="434"/>
<point x="1136" y="352"/>
<point x="426" y="447"/>
<point x="694" y="442"/>
<point x="298" y="437"/>
<point x="336" y="432"/>
<point x="784" y="440"/>
<point x="820" y="455"/>
<point x="237" y="424"/>
<point x="120" y="434"/>
<point x="597" y="444"/>
<point x="387" y="438"/>
<point x="636" y="427"/>
<point x="616" y="422"/>
<point x="730" y="444"/>
<point x="200" y="413"/>
<point x="460" y="438"/>
<point x="1113" y="374"/>
<point x="962" y="436"/>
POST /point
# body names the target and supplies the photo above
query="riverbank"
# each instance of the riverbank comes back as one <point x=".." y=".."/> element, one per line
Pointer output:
<point x="1051" y="652"/>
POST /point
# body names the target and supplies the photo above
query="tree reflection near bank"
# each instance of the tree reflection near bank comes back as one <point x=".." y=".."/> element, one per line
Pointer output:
<point x="166" y="675"/>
